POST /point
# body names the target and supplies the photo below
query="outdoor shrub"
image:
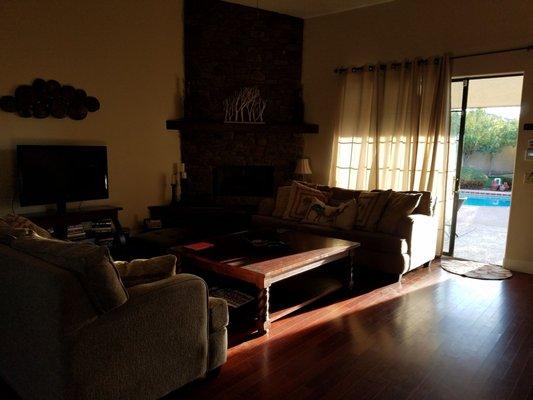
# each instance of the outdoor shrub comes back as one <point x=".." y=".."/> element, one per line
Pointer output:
<point x="473" y="174"/>
<point x="472" y="184"/>
<point x="473" y="178"/>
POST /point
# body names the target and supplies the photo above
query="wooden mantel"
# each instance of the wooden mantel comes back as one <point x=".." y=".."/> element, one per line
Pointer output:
<point x="220" y="127"/>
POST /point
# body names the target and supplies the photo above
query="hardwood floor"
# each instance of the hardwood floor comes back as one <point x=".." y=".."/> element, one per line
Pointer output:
<point x="434" y="336"/>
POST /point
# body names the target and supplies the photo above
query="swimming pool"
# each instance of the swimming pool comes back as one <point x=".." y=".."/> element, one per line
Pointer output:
<point x="487" y="201"/>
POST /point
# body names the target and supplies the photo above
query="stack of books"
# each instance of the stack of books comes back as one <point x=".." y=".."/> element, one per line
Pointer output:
<point x="103" y="226"/>
<point x="103" y="232"/>
<point x="75" y="232"/>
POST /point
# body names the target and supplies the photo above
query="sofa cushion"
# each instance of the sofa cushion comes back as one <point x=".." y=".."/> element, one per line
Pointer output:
<point x="426" y="204"/>
<point x="90" y="263"/>
<point x="339" y="195"/>
<point x="346" y="218"/>
<point x="218" y="313"/>
<point x="282" y="199"/>
<point x="301" y="197"/>
<point x="18" y="221"/>
<point x="141" y="271"/>
<point x="342" y="216"/>
<point x="376" y="241"/>
<point x="320" y="213"/>
<point x="8" y="233"/>
<point x="370" y="207"/>
<point x="399" y="206"/>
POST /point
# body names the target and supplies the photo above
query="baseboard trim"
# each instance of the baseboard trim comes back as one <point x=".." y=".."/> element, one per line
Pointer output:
<point x="518" y="265"/>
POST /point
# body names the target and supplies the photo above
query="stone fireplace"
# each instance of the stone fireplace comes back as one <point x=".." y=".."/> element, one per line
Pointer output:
<point x="244" y="180"/>
<point x="212" y="158"/>
<point x="228" y="47"/>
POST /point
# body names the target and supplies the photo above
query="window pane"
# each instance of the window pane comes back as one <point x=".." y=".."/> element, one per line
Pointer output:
<point x="342" y="177"/>
<point x="343" y="154"/>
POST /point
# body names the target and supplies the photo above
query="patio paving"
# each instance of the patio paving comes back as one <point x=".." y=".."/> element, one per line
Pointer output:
<point x="482" y="233"/>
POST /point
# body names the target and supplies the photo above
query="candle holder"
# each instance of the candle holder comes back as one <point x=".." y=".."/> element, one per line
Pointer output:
<point x="174" y="200"/>
<point x="174" y="189"/>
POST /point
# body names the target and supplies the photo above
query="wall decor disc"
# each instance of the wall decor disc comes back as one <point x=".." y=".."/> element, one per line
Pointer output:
<point x="92" y="104"/>
<point x="8" y="104"/>
<point x="25" y="112"/>
<point x="67" y="92"/>
<point x="77" y="111"/>
<point x="53" y="87"/>
<point x="24" y="94"/>
<point x="39" y="86"/>
<point x="58" y="108"/>
<point x="44" y="98"/>
<point x="80" y="94"/>
<point x="40" y="110"/>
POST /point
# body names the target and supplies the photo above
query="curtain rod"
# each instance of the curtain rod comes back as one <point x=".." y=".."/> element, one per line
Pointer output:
<point x="341" y="70"/>
<point x="485" y="53"/>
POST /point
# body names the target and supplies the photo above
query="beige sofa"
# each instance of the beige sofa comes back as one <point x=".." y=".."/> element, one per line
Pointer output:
<point x="412" y="245"/>
<point x="55" y="345"/>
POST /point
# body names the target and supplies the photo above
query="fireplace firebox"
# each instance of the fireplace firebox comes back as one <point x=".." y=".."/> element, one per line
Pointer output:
<point x="242" y="181"/>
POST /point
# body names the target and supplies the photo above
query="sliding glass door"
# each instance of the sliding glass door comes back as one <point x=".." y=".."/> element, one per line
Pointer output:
<point x="484" y="128"/>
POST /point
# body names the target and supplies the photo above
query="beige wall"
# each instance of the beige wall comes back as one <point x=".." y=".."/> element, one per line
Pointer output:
<point x="129" y="54"/>
<point x="501" y="163"/>
<point x="413" y="28"/>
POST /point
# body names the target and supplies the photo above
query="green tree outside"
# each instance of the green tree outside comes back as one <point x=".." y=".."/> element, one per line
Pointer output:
<point x="485" y="133"/>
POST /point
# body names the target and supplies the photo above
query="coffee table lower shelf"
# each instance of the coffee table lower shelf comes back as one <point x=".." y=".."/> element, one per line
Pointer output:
<point x="292" y="295"/>
<point x="291" y="257"/>
<point x="285" y="297"/>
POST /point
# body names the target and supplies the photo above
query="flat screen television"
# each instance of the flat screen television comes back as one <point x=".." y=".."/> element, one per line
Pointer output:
<point x="61" y="174"/>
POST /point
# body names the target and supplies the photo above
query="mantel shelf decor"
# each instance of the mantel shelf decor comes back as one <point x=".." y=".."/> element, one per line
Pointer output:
<point x="185" y="125"/>
<point x="246" y="106"/>
<point x="49" y="98"/>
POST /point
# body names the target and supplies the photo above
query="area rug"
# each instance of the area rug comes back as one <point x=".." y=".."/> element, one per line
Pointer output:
<point x="476" y="270"/>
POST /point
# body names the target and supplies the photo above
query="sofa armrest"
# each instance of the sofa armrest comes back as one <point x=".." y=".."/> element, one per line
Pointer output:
<point x="420" y="232"/>
<point x="218" y="314"/>
<point x="159" y="335"/>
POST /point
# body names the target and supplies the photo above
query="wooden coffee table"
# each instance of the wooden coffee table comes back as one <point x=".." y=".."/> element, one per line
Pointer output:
<point x="264" y="257"/>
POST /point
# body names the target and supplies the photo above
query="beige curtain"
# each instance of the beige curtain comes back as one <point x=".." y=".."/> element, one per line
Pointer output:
<point x="392" y="130"/>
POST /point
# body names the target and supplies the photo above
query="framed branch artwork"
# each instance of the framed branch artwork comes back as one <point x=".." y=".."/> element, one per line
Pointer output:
<point x="245" y="106"/>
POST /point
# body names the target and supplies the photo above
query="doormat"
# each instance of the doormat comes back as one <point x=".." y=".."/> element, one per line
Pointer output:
<point x="474" y="269"/>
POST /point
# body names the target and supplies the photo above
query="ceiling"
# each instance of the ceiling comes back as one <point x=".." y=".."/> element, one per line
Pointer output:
<point x="308" y="8"/>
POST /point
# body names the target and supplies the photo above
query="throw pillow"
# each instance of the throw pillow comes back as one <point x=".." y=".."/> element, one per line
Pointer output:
<point x="89" y="262"/>
<point x="300" y="200"/>
<point x="319" y="213"/>
<point x="400" y="205"/>
<point x="282" y="199"/>
<point x="370" y="206"/>
<point x="346" y="215"/>
<point x="342" y="216"/>
<point x="18" y="221"/>
<point x="141" y="271"/>
<point x="426" y="204"/>
<point x="8" y="234"/>
<point x="339" y="195"/>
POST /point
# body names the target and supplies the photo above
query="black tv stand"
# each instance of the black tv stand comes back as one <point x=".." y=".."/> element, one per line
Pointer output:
<point x="61" y="207"/>
<point x="60" y="220"/>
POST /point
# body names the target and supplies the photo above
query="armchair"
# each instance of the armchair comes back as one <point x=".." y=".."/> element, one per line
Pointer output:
<point x="55" y="345"/>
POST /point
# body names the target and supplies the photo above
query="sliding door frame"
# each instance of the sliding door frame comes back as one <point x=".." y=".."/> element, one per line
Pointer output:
<point x="459" y="164"/>
<point x="457" y="180"/>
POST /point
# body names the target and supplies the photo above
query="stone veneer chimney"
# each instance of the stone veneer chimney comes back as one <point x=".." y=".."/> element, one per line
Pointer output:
<point x="227" y="47"/>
